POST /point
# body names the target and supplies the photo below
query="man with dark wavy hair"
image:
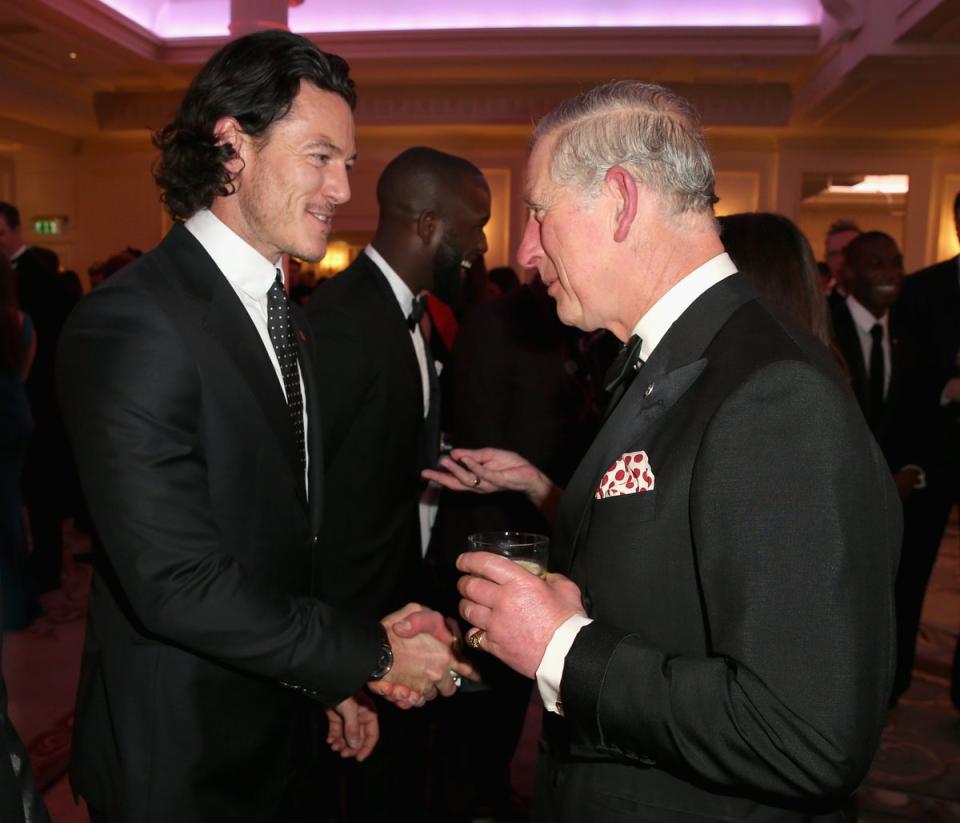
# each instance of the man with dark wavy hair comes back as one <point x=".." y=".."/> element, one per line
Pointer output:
<point x="189" y="390"/>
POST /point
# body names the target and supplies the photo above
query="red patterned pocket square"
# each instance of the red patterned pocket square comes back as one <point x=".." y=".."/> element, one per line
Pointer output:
<point x="628" y="474"/>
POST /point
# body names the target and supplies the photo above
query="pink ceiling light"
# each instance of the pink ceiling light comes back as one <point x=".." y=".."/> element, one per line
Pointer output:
<point x="196" y="18"/>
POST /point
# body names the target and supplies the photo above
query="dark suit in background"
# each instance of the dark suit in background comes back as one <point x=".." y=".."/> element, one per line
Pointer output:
<point x="48" y="468"/>
<point x="928" y="316"/>
<point x="372" y="416"/>
<point x="203" y="602"/>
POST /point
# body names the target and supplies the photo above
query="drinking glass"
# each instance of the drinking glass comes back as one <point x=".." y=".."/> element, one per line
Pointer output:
<point x="526" y="549"/>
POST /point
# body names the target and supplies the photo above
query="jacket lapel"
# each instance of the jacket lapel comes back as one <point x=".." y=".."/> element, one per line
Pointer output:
<point x="673" y="368"/>
<point x="399" y="332"/>
<point x="229" y="327"/>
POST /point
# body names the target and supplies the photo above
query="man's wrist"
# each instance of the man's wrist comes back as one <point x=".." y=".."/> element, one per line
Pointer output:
<point x="385" y="657"/>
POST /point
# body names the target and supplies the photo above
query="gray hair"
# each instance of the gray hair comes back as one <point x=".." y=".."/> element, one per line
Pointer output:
<point x="648" y="129"/>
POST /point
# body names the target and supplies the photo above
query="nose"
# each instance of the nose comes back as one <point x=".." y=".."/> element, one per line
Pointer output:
<point x="530" y="252"/>
<point x="336" y="187"/>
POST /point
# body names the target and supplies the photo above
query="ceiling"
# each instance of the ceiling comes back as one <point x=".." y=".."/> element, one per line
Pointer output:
<point x="78" y="70"/>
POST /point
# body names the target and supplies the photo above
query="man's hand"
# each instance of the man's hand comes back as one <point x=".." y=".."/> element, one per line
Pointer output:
<point x="494" y="470"/>
<point x="517" y="611"/>
<point x="353" y="727"/>
<point x="424" y="664"/>
<point x="906" y="481"/>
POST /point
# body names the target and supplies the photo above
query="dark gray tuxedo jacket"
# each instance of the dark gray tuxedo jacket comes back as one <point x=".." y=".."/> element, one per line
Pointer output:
<point x="202" y="599"/>
<point x="740" y="660"/>
<point x="371" y="410"/>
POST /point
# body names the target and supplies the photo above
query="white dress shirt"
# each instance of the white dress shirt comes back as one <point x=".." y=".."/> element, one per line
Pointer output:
<point x="250" y="275"/>
<point x="863" y="321"/>
<point x="651" y="329"/>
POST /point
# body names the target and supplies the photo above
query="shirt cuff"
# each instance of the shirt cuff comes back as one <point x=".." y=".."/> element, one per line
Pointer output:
<point x="550" y="671"/>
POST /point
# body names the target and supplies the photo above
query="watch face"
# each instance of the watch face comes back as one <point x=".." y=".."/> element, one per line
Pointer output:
<point x="385" y="660"/>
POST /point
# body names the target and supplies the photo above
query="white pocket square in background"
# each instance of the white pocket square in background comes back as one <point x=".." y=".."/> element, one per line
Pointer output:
<point x="630" y="473"/>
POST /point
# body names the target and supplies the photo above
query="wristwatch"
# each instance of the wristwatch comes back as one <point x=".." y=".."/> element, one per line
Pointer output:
<point x="385" y="660"/>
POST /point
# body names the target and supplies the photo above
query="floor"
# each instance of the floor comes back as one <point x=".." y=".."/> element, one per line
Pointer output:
<point x="915" y="777"/>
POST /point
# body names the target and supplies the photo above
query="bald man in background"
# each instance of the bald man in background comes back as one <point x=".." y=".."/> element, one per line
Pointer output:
<point x="380" y="416"/>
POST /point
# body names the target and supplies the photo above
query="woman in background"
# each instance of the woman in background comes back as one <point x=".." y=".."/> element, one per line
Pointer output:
<point x="772" y="252"/>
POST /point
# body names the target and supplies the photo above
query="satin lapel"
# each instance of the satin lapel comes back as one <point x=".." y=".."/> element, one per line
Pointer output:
<point x="314" y="430"/>
<point x="673" y="368"/>
<point x="638" y="412"/>
<point x="397" y="333"/>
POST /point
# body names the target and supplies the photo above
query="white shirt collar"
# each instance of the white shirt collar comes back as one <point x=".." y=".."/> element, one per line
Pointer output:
<point x="243" y="266"/>
<point x="18" y="252"/>
<point x="664" y="313"/>
<point x="400" y="289"/>
<point x="864" y="318"/>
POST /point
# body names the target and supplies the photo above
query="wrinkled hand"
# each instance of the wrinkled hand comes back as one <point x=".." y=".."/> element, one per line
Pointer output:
<point x="353" y="727"/>
<point x="423" y="659"/>
<point x="517" y="611"/>
<point x="496" y="470"/>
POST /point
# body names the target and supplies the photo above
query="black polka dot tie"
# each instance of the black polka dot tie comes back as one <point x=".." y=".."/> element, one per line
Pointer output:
<point x="283" y="337"/>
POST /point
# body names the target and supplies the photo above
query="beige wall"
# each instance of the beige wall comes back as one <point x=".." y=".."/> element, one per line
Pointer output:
<point x="106" y="190"/>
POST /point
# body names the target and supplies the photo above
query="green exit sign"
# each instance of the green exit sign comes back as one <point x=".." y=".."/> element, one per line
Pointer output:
<point x="49" y="225"/>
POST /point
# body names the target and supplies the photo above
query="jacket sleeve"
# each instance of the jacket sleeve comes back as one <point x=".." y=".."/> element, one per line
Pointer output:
<point x="796" y="530"/>
<point x="133" y="400"/>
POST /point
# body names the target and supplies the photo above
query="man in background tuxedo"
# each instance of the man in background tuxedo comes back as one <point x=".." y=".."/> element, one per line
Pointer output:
<point x="928" y="315"/>
<point x="379" y="412"/>
<point x="883" y="367"/>
<point x="193" y="405"/>
<point x="721" y="645"/>
<point x="47" y="467"/>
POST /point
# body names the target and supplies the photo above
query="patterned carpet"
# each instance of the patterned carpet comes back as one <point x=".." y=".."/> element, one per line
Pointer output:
<point x="916" y="775"/>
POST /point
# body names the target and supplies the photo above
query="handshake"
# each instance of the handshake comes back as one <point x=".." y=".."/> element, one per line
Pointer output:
<point x="426" y="657"/>
<point x="426" y="661"/>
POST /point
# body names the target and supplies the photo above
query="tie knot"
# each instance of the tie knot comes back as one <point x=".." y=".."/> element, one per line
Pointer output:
<point x="417" y="311"/>
<point x="625" y="364"/>
<point x="876" y="332"/>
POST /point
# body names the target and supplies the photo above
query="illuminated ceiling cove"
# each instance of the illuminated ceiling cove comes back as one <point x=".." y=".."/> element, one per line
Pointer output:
<point x="204" y="18"/>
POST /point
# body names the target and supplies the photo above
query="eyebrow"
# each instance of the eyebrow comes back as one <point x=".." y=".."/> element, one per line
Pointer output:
<point x="333" y="148"/>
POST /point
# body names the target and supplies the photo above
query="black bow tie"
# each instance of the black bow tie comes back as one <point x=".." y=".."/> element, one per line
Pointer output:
<point x="625" y="365"/>
<point x="416" y="311"/>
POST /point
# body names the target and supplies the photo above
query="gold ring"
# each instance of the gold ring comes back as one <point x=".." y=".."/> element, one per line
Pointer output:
<point x="476" y="482"/>
<point x="475" y="639"/>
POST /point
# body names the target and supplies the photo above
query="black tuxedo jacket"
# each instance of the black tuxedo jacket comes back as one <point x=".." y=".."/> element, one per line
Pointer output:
<point x="371" y="410"/>
<point x="928" y="314"/>
<point x="202" y="602"/>
<point x="740" y="659"/>
<point x="896" y="429"/>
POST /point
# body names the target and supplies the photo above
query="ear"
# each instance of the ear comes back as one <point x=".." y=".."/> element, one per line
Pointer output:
<point x="227" y="131"/>
<point x="623" y="188"/>
<point x="429" y="227"/>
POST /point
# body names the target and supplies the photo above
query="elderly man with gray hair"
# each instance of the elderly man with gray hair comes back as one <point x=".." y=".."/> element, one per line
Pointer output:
<point x="714" y="640"/>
